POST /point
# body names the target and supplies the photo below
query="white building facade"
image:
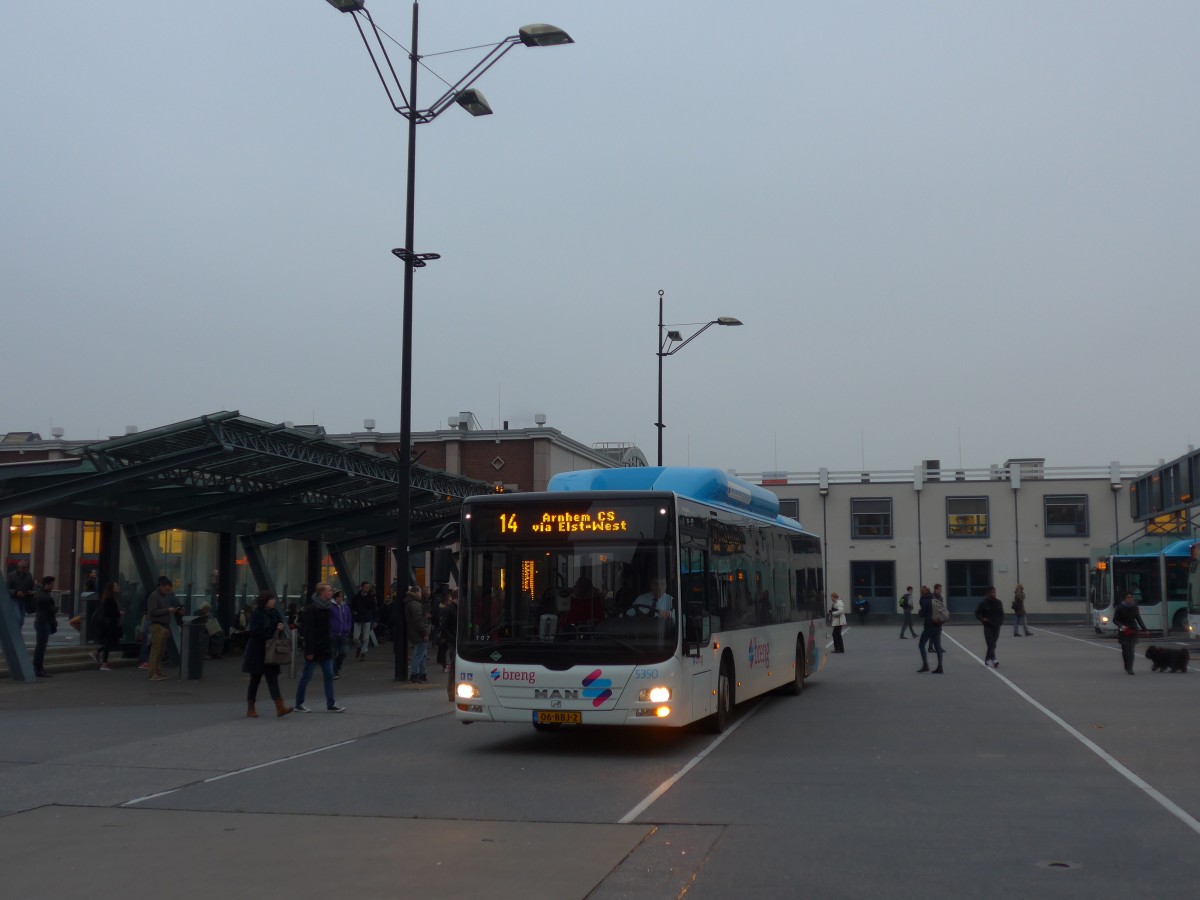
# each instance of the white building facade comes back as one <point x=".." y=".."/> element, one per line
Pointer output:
<point x="968" y="529"/>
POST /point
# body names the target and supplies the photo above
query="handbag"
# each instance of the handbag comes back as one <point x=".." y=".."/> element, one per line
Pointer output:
<point x="278" y="651"/>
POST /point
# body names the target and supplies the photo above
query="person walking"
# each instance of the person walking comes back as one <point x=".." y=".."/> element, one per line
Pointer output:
<point x="265" y="623"/>
<point x="363" y="606"/>
<point x="110" y="625"/>
<point x="1128" y="621"/>
<point x="990" y="612"/>
<point x="160" y="608"/>
<point x="45" y="623"/>
<point x="341" y="623"/>
<point x="906" y="607"/>
<point x="1018" y="608"/>
<point x="418" y="635"/>
<point x="931" y="631"/>
<point x="20" y="590"/>
<point x="318" y="648"/>
<point x="837" y="618"/>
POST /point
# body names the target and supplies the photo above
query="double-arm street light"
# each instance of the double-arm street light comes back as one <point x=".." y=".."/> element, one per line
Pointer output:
<point x="473" y="101"/>
<point x="670" y="343"/>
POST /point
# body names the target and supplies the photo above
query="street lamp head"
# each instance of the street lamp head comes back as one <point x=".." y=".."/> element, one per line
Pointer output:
<point x="728" y="320"/>
<point x="346" y="5"/>
<point x="540" y="35"/>
<point x="674" y="336"/>
<point x="474" y="102"/>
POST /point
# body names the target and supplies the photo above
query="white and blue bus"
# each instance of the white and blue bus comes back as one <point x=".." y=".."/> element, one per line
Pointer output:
<point x="634" y="596"/>
<point x="1158" y="581"/>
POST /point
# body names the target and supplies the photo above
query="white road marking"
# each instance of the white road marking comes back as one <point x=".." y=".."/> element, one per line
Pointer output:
<point x="273" y="762"/>
<point x="1154" y="794"/>
<point x="692" y="763"/>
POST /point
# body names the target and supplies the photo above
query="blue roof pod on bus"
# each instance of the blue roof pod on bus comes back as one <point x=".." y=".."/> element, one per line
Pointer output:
<point x="706" y="485"/>
<point x="1178" y="548"/>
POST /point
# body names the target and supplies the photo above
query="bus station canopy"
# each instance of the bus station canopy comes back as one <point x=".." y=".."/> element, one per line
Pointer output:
<point x="229" y="473"/>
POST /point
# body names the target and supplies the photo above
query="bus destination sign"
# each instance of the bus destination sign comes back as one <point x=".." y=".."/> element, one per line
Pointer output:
<point x="537" y="522"/>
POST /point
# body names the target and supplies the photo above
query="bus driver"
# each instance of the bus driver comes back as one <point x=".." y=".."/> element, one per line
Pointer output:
<point x="655" y="600"/>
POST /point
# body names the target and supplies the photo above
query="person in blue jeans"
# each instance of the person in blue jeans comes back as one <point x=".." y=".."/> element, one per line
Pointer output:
<point x="318" y="646"/>
<point x="931" y="633"/>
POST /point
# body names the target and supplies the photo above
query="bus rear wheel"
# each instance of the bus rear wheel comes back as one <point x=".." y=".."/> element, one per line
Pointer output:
<point x="1179" y="622"/>
<point x="796" y="686"/>
<point x="726" y="699"/>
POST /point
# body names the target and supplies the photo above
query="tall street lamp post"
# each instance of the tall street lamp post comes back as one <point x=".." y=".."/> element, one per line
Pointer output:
<point x="473" y="101"/>
<point x="670" y="343"/>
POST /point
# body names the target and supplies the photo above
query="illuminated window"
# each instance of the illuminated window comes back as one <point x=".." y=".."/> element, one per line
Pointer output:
<point x="1171" y="523"/>
<point x="171" y="542"/>
<point x="966" y="517"/>
<point x="20" y="534"/>
<point x="91" y="537"/>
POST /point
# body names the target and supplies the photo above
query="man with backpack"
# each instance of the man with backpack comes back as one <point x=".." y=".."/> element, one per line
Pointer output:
<point x="934" y="613"/>
<point x="906" y="607"/>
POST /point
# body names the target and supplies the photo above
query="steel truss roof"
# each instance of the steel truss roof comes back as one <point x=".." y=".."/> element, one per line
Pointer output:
<point x="230" y="473"/>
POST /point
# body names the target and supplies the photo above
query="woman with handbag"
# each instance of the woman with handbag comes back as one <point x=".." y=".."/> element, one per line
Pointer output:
<point x="265" y="627"/>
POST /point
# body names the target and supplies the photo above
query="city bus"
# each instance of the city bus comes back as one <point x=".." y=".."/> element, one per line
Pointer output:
<point x="1158" y="581"/>
<point x="634" y="596"/>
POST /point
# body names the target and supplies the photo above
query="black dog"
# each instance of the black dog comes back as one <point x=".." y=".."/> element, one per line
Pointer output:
<point x="1163" y="659"/>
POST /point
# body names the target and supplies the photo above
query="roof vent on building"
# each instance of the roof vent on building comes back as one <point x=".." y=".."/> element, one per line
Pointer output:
<point x="131" y="429"/>
<point x="369" y="424"/>
<point x="539" y="419"/>
<point x="289" y="424"/>
<point x="57" y="433"/>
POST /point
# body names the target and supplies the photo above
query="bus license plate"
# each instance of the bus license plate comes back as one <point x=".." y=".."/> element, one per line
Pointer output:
<point x="556" y="717"/>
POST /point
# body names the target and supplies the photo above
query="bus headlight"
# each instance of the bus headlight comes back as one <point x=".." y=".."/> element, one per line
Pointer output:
<point x="654" y="695"/>
<point x="466" y="690"/>
<point x="1104" y="620"/>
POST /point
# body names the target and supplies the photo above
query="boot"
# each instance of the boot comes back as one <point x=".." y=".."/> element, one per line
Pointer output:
<point x="280" y="709"/>
<point x="250" y="713"/>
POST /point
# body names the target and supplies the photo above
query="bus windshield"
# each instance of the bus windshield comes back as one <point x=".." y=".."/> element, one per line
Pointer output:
<point x="566" y="603"/>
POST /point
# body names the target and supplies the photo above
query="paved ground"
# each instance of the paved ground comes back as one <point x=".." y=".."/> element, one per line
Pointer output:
<point x="1057" y="775"/>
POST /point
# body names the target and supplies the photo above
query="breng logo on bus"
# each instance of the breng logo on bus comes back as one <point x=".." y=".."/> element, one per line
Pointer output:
<point x="760" y="654"/>
<point x="509" y="675"/>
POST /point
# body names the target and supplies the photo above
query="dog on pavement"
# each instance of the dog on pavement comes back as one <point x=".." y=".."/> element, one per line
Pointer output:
<point x="1164" y="658"/>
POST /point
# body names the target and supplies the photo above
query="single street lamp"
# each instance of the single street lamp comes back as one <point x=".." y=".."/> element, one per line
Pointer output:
<point x="473" y="102"/>
<point x="670" y="343"/>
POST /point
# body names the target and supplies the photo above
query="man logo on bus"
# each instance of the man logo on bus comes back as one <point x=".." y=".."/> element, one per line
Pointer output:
<point x="760" y="654"/>
<point x="596" y="688"/>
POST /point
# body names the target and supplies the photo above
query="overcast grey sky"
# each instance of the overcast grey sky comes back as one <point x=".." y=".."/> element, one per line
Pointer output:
<point x="945" y="225"/>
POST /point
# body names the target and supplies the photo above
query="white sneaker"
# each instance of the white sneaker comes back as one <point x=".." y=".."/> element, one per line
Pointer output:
<point x="988" y="663"/>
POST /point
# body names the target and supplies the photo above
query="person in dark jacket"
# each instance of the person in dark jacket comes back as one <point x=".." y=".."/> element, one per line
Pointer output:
<point x="318" y="646"/>
<point x="418" y="636"/>
<point x="931" y="631"/>
<point x="341" y="622"/>
<point x="265" y="623"/>
<point x="45" y="623"/>
<point x="363" y="606"/>
<point x="20" y="590"/>
<point x="448" y="640"/>
<point x="110" y="625"/>
<point x="1128" y="621"/>
<point x="990" y="612"/>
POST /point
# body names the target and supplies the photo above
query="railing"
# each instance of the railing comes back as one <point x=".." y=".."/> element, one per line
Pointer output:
<point x="910" y="476"/>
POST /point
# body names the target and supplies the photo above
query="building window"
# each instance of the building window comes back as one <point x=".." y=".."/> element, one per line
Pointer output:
<point x="967" y="583"/>
<point x="790" y="508"/>
<point x="870" y="519"/>
<point x="91" y="538"/>
<point x="20" y="535"/>
<point x="1066" y="580"/>
<point x="875" y="581"/>
<point x="1170" y="523"/>
<point x="1067" y="516"/>
<point x="966" y="517"/>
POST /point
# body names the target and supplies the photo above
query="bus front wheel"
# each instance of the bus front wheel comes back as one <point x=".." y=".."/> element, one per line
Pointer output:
<point x="726" y="699"/>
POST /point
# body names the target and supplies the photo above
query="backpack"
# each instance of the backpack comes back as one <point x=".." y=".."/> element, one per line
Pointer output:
<point x="940" y="613"/>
